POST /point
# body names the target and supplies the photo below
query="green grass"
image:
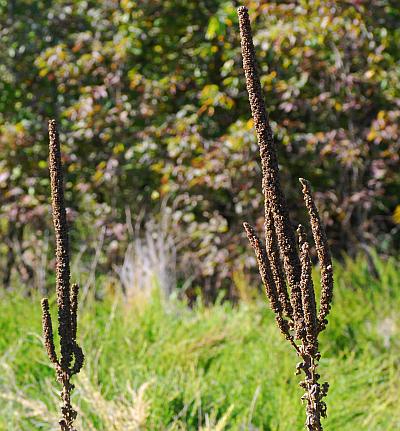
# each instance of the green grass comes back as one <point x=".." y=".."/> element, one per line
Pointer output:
<point x="158" y="365"/>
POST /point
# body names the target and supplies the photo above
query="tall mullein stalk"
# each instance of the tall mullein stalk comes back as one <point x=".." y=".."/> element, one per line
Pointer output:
<point x="284" y="265"/>
<point x="71" y="356"/>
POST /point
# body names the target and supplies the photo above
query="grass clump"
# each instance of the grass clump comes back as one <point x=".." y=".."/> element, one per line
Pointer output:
<point x="174" y="368"/>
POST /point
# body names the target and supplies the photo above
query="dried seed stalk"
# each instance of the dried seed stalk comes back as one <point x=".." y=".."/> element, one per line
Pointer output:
<point x="295" y="308"/>
<point x="67" y="296"/>
<point x="276" y="264"/>
<point x="323" y="253"/>
<point x="269" y="162"/>
<point x="269" y="282"/>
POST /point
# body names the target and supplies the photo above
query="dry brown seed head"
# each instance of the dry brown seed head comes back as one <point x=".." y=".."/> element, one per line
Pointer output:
<point x="74" y="309"/>
<point x="297" y="268"/>
<point x="268" y="281"/>
<point x="272" y="248"/>
<point x="323" y="253"/>
<point x="264" y="268"/>
<point x="48" y="331"/>
<point x="271" y="183"/>
<point x="62" y="245"/>
<point x="308" y="295"/>
<point x="67" y="298"/>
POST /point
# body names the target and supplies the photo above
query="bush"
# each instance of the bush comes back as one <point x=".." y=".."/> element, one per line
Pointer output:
<point x="152" y="103"/>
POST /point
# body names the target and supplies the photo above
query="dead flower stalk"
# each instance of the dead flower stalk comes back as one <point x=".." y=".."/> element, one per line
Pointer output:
<point x="71" y="355"/>
<point x="289" y="287"/>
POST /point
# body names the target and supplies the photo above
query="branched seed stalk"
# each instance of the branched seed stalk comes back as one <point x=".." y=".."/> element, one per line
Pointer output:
<point x="289" y="287"/>
<point x="71" y="355"/>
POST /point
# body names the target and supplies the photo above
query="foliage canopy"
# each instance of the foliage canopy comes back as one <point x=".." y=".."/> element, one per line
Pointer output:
<point x="152" y="104"/>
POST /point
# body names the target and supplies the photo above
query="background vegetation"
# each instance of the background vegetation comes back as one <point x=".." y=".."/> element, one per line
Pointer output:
<point x="157" y="365"/>
<point x="155" y="119"/>
<point x="161" y="169"/>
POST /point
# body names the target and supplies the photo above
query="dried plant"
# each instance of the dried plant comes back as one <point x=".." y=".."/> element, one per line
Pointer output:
<point x="151" y="257"/>
<point x="71" y="355"/>
<point x="289" y="287"/>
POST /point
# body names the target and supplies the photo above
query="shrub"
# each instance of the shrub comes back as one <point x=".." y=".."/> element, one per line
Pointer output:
<point x="151" y="105"/>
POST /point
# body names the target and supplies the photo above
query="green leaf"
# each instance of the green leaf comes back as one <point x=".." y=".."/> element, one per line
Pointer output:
<point x="215" y="28"/>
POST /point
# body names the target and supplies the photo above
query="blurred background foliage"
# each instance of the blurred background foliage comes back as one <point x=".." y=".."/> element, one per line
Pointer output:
<point x="154" y="119"/>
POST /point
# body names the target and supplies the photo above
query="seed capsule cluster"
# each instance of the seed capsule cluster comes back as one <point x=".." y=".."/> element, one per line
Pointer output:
<point x="71" y="355"/>
<point x="284" y="265"/>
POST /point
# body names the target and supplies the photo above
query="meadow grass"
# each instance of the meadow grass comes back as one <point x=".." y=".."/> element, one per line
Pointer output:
<point x="158" y="365"/>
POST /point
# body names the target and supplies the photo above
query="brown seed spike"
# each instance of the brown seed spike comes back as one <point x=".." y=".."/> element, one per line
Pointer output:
<point x="48" y="331"/>
<point x="280" y="242"/>
<point x="271" y="182"/>
<point x="78" y="353"/>
<point x="276" y="264"/>
<point x="74" y="309"/>
<point x="62" y="245"/>
<point x="307" y="292"/>
<point x="67" y="297"/>
<point x="264" y="267"/>
<point x="79" y="359"/>
<point x="268" y="281"/>
<point x="323" y="253"/>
